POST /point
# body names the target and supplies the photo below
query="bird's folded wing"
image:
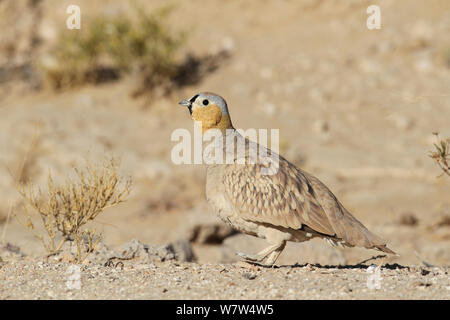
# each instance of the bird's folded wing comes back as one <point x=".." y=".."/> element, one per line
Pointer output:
<point x="345" y="225"/>
<point x="283" y="199"/>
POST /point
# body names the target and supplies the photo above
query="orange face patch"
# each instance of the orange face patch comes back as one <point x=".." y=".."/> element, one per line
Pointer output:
<point x="211" y="118"/>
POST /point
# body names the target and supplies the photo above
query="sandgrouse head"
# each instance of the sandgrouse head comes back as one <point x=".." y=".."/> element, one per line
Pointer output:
<point x="210" y="109"/>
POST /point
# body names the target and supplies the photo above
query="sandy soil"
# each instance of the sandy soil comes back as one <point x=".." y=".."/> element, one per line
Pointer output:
<point x="355" y="107"/>
<point x="136" y="279"/>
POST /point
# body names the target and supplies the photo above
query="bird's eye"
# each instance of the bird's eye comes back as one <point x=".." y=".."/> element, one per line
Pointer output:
<point x="205" y="102"/>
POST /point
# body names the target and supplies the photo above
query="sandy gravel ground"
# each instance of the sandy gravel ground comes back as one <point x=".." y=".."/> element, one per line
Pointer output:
<point x="139" y="271"/>
<point x="36" y="279"/>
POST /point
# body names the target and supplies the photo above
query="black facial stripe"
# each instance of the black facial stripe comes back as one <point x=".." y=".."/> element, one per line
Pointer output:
<point x="193" y="98"/>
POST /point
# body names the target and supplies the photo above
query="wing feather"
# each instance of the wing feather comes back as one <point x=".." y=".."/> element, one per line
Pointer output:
<point x="284" y="199"/>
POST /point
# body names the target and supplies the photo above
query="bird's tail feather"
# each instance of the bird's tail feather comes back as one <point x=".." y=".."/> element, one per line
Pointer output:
<point x="384" y="248"/>
<point x="355" y="233"/>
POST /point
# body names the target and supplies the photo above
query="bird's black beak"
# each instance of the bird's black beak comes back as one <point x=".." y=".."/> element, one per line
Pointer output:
<point x="187" y="104"/>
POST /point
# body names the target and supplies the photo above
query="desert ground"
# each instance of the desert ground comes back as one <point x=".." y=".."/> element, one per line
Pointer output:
<point x="355" y="107"/>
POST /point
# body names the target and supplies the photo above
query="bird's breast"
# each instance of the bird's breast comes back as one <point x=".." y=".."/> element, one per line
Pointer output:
<point x="216" y="196"/>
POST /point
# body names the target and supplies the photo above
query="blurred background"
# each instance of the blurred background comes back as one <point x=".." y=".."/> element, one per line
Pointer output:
<point x="355" y="107"/>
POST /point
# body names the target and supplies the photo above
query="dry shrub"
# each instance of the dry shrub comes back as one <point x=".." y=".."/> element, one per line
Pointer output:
<point x="66" y="209"/>
<point x="441" y="154"/>
<point x="107" y="47"/>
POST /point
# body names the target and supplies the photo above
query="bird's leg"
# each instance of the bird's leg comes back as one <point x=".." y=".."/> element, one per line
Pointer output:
<point x="273" y="256"/>
<point x="272" y="252"/>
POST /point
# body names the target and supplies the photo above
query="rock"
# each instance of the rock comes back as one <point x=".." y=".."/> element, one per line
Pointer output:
<point x="10" y="250"/>
<point x="247" y="265"/>
<point x="141" y="251"/>
<point x="66" y="257"/>
<point x="179" y="250"/>
<point x="134" y="250"/>
<point x="101" y="254"/>
<point x="249" y="276"/>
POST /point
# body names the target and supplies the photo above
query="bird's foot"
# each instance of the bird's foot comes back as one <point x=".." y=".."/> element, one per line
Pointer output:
<point x="256" y="259"/>
<point x="249" y="257"/>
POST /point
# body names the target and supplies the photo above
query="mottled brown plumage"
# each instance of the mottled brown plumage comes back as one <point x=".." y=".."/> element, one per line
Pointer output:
<point x="294" y="199"/>
<point x="288" y="204"/>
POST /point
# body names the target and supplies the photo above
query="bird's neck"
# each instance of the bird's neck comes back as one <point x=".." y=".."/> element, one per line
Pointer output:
<point x="212" y="118"/>
<point x="223" y="124"/>
<point x="222" y="149"/>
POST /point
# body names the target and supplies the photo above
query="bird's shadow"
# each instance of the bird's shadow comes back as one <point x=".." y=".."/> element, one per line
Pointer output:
<point x="388" y="266"/>
<point x="361" y="265"/>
